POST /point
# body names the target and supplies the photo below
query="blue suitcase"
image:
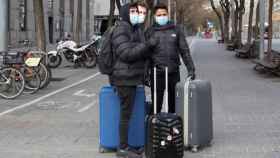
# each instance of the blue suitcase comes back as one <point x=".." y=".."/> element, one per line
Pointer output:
<point x="109" y="117"/>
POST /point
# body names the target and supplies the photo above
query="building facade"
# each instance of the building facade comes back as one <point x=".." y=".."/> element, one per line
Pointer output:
<point x="58" y="18"/>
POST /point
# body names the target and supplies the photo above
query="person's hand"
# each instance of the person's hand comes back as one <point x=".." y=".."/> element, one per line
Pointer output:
<point x="191" y="75"/>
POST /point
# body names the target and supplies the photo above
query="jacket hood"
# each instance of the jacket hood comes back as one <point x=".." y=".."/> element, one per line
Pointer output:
<point x="124" y="13"/>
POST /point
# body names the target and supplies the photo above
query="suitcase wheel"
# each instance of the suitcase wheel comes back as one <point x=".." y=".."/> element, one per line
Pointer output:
<point x="194" y="149"/>
<point x="103" y="150"/>
<point x="209" y="144"/>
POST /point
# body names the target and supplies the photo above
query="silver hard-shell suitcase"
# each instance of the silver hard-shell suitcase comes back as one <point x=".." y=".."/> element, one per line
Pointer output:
<point x="194" y="105"/>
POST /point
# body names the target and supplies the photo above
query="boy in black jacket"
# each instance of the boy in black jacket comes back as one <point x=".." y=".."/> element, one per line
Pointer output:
<point x="172" y="44"/>
<point x="128" y="71"/>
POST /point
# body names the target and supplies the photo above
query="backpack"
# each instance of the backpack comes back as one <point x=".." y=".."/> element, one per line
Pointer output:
<point x="106" y="57"/>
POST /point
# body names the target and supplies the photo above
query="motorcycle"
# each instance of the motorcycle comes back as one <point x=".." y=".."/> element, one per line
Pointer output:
<point x="85" y="54"/>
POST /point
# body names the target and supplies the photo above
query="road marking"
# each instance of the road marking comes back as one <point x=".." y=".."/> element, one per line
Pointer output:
<point x="87" y="107"/>
<point x="48" y="95"/>
<point x="46" y="104"/>
<point x="81" y="93"/>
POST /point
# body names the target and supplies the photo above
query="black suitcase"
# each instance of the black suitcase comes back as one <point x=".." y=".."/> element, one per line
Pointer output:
<point x="165" y="137"/>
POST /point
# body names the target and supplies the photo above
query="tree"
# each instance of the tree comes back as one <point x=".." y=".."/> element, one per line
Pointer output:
<point x="77" y="21"/>
<point x="87" y="19"/>
<point x="72" y="16"/>
<point x="39" y="24"/>
<point x="239" y="12"/>
<point x="118" y="2"/>
<point x="250" y="25"/>
<point x="234" y="20"/>
<point x="150" y="4"/>
<point x="220" y="18"/>
<point x="192" y="13"/>
<point x="112" y="12"/>
<point x="225" y="5"/>
<point x="269" y="47"/>
<point x="61" y="18"/>
<point x="256" y="28"/>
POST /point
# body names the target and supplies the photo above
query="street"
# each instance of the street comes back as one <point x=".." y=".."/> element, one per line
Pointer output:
<point x="61" y="121"/>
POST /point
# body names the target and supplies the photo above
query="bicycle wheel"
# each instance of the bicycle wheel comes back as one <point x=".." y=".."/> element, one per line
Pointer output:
<point x="45" y="75"/>
<point x="32" y="80"/>
<point x="12" y="83"/>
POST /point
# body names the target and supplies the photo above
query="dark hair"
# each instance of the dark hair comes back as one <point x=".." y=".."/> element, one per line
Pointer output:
<point x="133" y="5"/>
<point x="142" y="4"/>
<point x="160" y="6"/>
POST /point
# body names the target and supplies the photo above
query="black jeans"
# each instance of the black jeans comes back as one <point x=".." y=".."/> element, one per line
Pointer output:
<point x="127" y="97"/>
<point x="173" y="79"/>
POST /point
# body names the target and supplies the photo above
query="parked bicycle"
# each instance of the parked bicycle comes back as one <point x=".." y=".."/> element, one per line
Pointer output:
<point x="42" y="69"/>
<point x="12" y="81"/>
<point x="30" y="64"/>
<point x="25" y="63"/>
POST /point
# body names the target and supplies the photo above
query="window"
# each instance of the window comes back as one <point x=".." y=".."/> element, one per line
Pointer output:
<point x="22" y="15"/>
<point x="50" y="7"/>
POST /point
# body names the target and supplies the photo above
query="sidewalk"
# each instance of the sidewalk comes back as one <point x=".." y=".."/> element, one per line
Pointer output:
<point x="246" y="108"/>
<point x="246" y="112"/>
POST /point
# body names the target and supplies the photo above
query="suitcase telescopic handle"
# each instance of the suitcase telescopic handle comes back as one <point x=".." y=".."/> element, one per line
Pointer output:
<point x="155" y="90"/>
<point x="166" y="89"/>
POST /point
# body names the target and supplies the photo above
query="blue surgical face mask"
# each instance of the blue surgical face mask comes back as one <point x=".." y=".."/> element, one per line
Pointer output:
<point x="141" y="19"/>
<point x="134" y="18"/>
<point x="161" y="20"/>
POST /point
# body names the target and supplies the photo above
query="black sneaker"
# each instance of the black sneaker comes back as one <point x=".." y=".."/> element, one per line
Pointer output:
<point x="138" y="151"/>
<point x="132" y="154"/>
<point x="122" y="153"/>
<point x="128" y="153"/>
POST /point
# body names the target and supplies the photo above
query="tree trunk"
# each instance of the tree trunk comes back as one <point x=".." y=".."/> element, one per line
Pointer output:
<point x="240" y="10"/>
<point x="226" y="27"/>
<point x="77" y="21"/>
<point x="219" y="18"/>
<point x="235" y="27"/>
<point x="150" y="4"/>
<point x="225" y="6"/>
<point x="180" y="16"/>
<point x="87" y="19"/>
<point x="232" y="16"/>
<point x="236" y="21"/>
<point x="39" y="24"/>
<point x="61" y="18"/>
<point x="118" y="2"/>
<point x="112" y="12"/>
<point x="269" y="47"/>
<point x="256" y="30"/>
<point x="250" y="27"/>
<point x="240" y="28"/>
<point x="72" y="17"/>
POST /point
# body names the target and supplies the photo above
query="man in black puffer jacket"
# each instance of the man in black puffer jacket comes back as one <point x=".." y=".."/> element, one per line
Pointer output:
<point x="128" y="70"/>
<point x="172" y="44"/>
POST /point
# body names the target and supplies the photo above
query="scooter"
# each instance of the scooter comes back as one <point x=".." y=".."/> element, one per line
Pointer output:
<point x="85" y="54"/>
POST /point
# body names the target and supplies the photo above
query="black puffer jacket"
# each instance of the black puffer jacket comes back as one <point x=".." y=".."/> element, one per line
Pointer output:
<point x="130" y="53"/>
<point x="172" y="45"/>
